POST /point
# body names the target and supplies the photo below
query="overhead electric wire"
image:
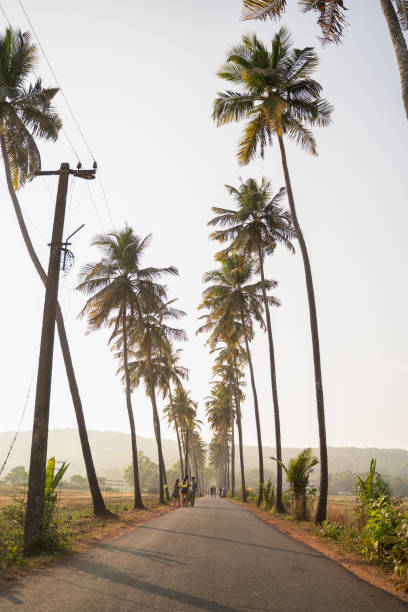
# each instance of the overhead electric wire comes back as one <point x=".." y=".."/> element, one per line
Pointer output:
<point x="56" y="80"/>
<point x="19" y="425"/>
<point x="108" y="208"/>
<point x="106" y="199"/>
<point x="71" y="112"/>
<point x="95" y="207"/>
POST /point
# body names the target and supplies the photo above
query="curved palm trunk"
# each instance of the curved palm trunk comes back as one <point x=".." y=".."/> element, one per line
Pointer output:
<point x="97" y="499"/>
<point x="400" y="46"/>
<point x="279" y="504"/>
<point x="156" y="424"/>
<point x="177" y="432"/>
<point x="257" y="420"/>
<point x="186" y="454"/>
<point x="136" y="479"/>
<point x="321" y="510"/>
<point x="239" y="425"/>
<point x="232" y="443"/>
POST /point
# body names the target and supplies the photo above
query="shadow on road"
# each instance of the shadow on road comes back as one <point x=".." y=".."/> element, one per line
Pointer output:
<point x="208" y="537"/>
<point x="106" y="572"/>
<point x="151" y="555"/>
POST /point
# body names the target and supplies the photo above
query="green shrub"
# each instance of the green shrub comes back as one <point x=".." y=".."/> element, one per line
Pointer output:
<point x="330" y="530"/>
<point x="385" y="535"/>
<point x="268" y="494"/>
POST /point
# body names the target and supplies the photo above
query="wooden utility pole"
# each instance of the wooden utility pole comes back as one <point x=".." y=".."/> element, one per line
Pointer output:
<point x="36" y="480"/>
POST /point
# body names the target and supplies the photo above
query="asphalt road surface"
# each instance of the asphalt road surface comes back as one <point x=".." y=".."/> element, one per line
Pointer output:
<point x="211" y="557"/>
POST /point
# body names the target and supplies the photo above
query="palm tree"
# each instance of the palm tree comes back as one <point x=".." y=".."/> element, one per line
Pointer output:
<point x="280" y="99"/>
<point x="112" y="283"/>
<point x="298" y="472"/>
<point x="226" y="384"/>
<point x="171" y="372"/>
<point x="332" y="22"/>
<point x="26" y="113"/>
<point x="221" y="419"/>
<point x="231" y="293"/>
<point x="152" y="335"/>
<point x="256" y="226"/>
<point x="227" y="330"/>
<point x="185" y="411"/>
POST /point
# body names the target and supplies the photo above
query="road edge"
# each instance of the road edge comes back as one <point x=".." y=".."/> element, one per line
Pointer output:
<point x="369" y="573"/>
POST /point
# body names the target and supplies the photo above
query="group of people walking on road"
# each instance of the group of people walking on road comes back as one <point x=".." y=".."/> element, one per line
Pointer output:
<point x="186" y="491"/>
<point x="222" y="491"/>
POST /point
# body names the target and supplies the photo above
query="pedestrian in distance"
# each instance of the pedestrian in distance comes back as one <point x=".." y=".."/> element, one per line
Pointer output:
<point x="176" y="493"/>
<point x="184" y="490"/>
<point x="193" y="490"/>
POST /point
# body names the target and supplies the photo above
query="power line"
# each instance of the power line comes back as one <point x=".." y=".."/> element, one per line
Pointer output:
<point x="108" y="208"/>
<point x="106" y="199"/>
<point x="56" y="80"/>
<point x="71" y="112"/>
<point x="19" y="425"/>
<point x="95" y="207"/>
<point x="4" y="13"/>
<point x="36" y="76"/>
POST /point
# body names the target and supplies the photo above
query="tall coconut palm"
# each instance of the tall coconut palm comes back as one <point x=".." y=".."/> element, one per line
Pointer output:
<point x="256" y="225"/>
<point x="112" y="283"/>
<point x="152" y="335"/>
<point x="185" y="410"/>
<point x="332" y="22"/>
<point x="172" y="373"/>
<point x="26" y="113"/>
<point x="227" y="361"/>
<point x="220" y="415"/>
<point x="226" y="381"/>
<point x="231" y="291"/>
<point x="281" y="100"/>
<point x="225" y="329"/>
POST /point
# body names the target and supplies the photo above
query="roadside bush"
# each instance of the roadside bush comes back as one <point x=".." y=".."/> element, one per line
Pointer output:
<point x="11" y="533"/>
<point x="385" y="535"/>
<point x="330" y="530"/>
<point x="268" y="494"/>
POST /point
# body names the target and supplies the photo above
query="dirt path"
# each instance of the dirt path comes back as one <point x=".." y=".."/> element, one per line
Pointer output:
<point x="215" y="556"/>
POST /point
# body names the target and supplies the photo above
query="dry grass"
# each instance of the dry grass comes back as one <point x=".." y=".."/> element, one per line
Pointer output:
<point x="340" y="510"/>
<point x="80" y="526"/>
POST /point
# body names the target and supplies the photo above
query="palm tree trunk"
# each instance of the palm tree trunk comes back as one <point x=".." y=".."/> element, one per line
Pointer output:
<point x="136" y="479"/>
<point x="321" y="510"/>
<point x="279" y="503"/>
<point x="232" y="443"/>
<point x="97" y="499"/>
<point x="177" y="432"/>
<point x="257" y="420"/>
<point x="239" y="425"/>
<point x="156" y="424"/>
<point x="400" y="46"/>
<point x="186" y="453"/>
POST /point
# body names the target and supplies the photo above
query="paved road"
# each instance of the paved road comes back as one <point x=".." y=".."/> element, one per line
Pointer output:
<point x="211" y="557"/>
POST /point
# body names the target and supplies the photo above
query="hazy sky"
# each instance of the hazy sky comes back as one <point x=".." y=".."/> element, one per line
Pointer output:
<point x="141" y="77"/>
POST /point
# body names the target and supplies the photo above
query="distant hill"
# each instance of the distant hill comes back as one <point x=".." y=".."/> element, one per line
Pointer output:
<point x="112" y="453"/>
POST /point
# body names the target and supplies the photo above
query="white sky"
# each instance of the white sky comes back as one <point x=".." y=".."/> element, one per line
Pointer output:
<point x="140" y="77"/>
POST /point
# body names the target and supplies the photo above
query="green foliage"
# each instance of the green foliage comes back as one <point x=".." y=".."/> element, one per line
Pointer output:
<point x="298" y="473"/>
<point x="269" y="494"/>
<point x="372" y="488"/>
<point x="80" y="482"/>
<point x="12" y="519"/>
<point x="17" y="476"/>
<point x="385" y="535"/>
<point x="330" y="530"/>
<point x="148" y="474"/>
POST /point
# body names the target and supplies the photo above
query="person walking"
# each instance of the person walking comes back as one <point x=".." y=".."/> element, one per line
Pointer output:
<point x="176" y="493"/>
<point x="184" y="490"/>
<point x="194" y="485"/>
